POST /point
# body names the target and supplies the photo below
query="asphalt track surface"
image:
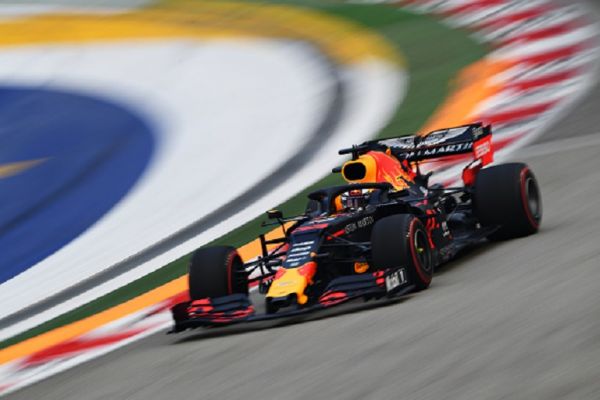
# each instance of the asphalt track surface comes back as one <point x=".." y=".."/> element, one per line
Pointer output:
<point x="512" y="320"/>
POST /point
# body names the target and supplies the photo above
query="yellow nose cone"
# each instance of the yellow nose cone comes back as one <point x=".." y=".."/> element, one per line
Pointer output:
<point x="293" y="281"/>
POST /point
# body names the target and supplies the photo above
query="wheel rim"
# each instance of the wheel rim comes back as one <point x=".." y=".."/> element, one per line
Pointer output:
<point x="421" y="247"/>
<point x="533" y="198"/>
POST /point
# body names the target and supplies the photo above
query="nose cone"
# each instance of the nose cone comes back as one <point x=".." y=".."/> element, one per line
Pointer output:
<point x="292" y="281"/>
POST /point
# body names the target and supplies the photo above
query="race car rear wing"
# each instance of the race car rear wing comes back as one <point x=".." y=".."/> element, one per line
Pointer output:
<point x="463" y="139"/>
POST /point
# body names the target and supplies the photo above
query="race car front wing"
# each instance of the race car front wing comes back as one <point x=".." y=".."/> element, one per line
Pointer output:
<point x="238" y="308"/>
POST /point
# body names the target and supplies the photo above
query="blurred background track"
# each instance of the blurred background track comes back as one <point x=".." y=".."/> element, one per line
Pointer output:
<point x="518" y="320"/>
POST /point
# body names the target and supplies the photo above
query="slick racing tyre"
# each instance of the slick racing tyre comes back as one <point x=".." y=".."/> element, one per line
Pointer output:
<point x="216" y="272"/>
<point x="401" y="240"/>
<point x="508" y="196"/>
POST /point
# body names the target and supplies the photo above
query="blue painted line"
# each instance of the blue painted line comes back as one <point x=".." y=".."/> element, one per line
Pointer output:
<point x="94" y="151"/>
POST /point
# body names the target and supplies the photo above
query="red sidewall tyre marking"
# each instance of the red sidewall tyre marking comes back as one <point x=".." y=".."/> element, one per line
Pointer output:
<point x="229" y="271"/>
<point x="413" y="251"/>
<point x="525" y="200"/>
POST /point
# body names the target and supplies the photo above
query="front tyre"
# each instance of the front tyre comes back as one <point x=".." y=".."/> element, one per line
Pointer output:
<point x="402" y="241"/>
<point x="216" y="272"/>
<point x="508" y="196"/>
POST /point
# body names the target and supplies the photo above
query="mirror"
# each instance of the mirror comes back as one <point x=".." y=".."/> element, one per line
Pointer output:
<point x="274" y="214"/>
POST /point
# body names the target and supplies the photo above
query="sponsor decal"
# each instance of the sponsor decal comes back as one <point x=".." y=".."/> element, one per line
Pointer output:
<point x="362" y="223"/>
<point x="299" y="253"/>
<point x="361" y="267"/>
<point x="395" y="279"/>
<point x="366" y="221"/>
<point x="445" y="230"/>
<point x="483" y="150"/>
<point x="297" y="249"/>
<point x="442" y="136"/>
<point x="442" y="150"/>
<point x="305" y="243"/>
<point x="350" y="228"/>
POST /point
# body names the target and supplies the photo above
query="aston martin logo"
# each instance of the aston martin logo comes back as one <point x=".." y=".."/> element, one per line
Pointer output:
<point x="11" y="169"/>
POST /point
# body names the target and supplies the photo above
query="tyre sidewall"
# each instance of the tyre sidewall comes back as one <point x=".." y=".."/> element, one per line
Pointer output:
<point x="216" y="272"/>
<point x="501" y="199"/>
<point x="393" y="246"/>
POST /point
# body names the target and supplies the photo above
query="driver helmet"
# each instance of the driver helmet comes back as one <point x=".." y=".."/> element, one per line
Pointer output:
<point x="355" y="199"/>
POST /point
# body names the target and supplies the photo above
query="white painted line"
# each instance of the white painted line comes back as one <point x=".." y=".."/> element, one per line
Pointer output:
<point x="548" y="20"/>
<point x="529" y="48"/>
<point x="18" y="11"/>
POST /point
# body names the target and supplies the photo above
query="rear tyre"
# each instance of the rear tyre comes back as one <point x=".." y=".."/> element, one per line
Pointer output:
<point x="216" y="272"/>
<point x="508" y="195"/>
<point x="401" y="240"/>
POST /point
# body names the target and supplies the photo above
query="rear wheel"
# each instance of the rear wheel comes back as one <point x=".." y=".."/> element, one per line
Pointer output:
<point x="508" y="195"/>
<point x="401" y="241"/>
<point x="216" y="272"/>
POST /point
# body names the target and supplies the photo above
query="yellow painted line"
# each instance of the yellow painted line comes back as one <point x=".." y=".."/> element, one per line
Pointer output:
<point x="83" y="326"/>
<point x="344" y="41"/>
<point x="11" y="169"/>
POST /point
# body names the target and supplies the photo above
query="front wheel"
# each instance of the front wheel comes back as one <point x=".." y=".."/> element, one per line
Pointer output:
<point x="216" y="272"/>
<point x="402" y="241"/>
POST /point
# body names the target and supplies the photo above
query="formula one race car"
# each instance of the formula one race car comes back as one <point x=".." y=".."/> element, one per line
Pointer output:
<point x="381" y="235"/>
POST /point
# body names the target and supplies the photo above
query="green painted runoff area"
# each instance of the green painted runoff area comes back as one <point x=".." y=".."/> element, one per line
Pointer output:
<point x="434" y="54"/>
